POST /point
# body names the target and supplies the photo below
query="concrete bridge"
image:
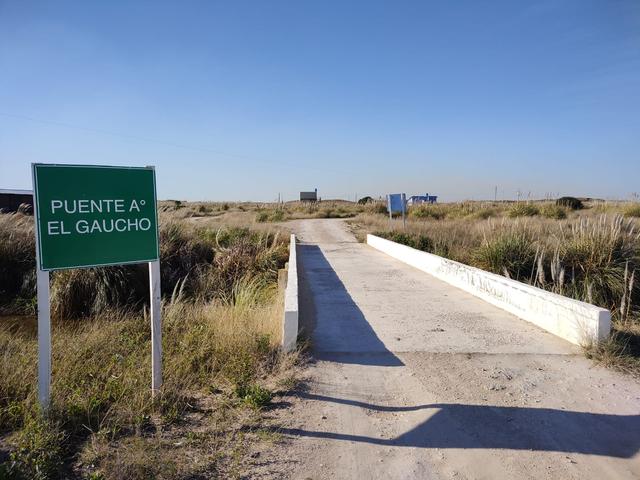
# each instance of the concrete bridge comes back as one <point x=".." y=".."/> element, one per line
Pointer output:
<point x="412" y="378"/>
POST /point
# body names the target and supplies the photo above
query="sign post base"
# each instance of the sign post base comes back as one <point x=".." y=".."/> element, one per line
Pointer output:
<point x="44" y="338"/>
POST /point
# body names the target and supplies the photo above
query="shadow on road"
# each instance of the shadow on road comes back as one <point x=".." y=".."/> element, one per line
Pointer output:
<point x="508" y="428"/>
<point x="341" y="333"/>
<point x="338" y="329"/>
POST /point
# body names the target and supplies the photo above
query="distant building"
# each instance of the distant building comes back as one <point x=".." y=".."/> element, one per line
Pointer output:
<point x="309" y="196"/>
<point x="421" y="199"/>
<point x="11" y="200"/>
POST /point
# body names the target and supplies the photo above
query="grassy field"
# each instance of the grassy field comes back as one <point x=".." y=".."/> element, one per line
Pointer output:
<point x="222" y="320"/>
<point x="587" y="250"/>
<point x="222" y="366"/>
<point x="258" y="213"/>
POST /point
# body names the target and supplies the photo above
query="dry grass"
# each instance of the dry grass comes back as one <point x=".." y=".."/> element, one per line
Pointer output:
<point x="222" y="317"/>
<point x="100" y="390"/>
<point x="222" y="325"/>
<point x="202" y="262"/>
<point x="632" y="210"/>
<point x="17" y="261"/>
<point x="259" y="213"/>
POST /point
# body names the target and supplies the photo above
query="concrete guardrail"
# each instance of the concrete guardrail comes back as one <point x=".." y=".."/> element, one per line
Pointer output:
<point x="578" y="322"/>
<point x="290" y="321"/>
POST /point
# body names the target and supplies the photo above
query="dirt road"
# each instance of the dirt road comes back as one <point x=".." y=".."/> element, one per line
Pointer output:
<point x="412" y="378"/>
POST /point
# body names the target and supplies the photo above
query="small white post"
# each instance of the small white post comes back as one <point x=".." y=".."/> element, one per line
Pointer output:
<point x="156" y="327"/>
<point x="291" y="307"/>
<point x="404" y="211"/>
<point x="44" y="337"/>
<point x="44" y="315"/>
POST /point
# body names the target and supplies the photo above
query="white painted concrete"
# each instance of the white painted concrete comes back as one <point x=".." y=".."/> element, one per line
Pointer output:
<point x="44" y="337"/>
<point x="578" y="322"/>
<point x="290" y="321"/>
<point x="44" y="322"/>
<point x="156" y="326"/>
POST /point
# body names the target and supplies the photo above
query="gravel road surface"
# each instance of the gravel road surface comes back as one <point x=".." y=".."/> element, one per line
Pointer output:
<point x="414" y="379"/>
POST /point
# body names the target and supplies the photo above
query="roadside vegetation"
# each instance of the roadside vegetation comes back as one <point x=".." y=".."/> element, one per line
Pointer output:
<point x="222" y="320"/>
<point x="222" y="365"/>
<point x="589" y="251"/>
<point x="270" y="212"/>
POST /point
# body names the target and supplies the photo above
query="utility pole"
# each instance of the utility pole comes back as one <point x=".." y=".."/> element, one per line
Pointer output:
<point x="495" y="194"/>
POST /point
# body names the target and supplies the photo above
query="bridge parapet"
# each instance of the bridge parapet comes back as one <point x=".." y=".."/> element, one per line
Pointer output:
<point x="578" y="322"/>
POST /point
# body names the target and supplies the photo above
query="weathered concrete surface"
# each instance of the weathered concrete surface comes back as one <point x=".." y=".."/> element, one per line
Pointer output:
<point x="578" y="322"/>
<point x="413" y="378"/>
<point x="290" y="317"/>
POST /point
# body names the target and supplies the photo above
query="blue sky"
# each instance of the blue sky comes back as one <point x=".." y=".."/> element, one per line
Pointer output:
<point x="244" y="100"/>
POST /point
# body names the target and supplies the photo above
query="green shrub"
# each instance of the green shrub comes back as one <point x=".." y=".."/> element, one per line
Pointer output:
<point x="11" y="414"/>
<point x="17" y="259"/>
<point x="427" y="211"/>
<point x="365" y="200"/>
<point x="510" y="254"/>
<point x="417" y="241"/>
<point x="182" y="251"/>
<point x="632" y="210"/>
<point x="39" y="453"/>
<point x="196" y="263"/>
<point x="379" y="208"/>
<point x="441" y="249"/>
<point x="81" y="293"/>
<point x="422" y="242"/>
<point x="522" y="209"/>
<point x="483" y="213"/>
<point x="339" y="212"/>
<point x="571" y="203"/>
<point x="400" y="237"/>
<point x="254" y="395"/>
<point x="277" y="215"/>
<point x="598" y="260"/>
<point x="326" y="213"/>
<point x="554" y="211"/>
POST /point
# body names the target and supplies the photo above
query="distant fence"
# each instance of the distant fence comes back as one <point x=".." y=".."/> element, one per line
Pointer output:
<point x="14" y="200"/>
<point x="290" y="320"/>
<point x="578" y="322"/>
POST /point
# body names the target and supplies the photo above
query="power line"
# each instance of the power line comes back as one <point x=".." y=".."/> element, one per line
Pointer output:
<point x="118" y="134"/>
<point x="169" y="143"/>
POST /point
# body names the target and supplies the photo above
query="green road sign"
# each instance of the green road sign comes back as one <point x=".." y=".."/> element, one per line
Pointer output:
<point x="88" y="216"/>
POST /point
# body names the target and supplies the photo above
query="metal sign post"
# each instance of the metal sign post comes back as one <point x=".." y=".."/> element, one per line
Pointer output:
<point x="396" y="202"/>
<point x="44" y="338"/>
<point x="91" y="216"/>
<point x="156" y="327"/>
<point x="44" y="322"/>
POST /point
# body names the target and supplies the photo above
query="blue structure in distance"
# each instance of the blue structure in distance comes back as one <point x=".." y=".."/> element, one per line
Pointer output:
<point x="422" y="199"/>
<point x="396" y="202"/>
